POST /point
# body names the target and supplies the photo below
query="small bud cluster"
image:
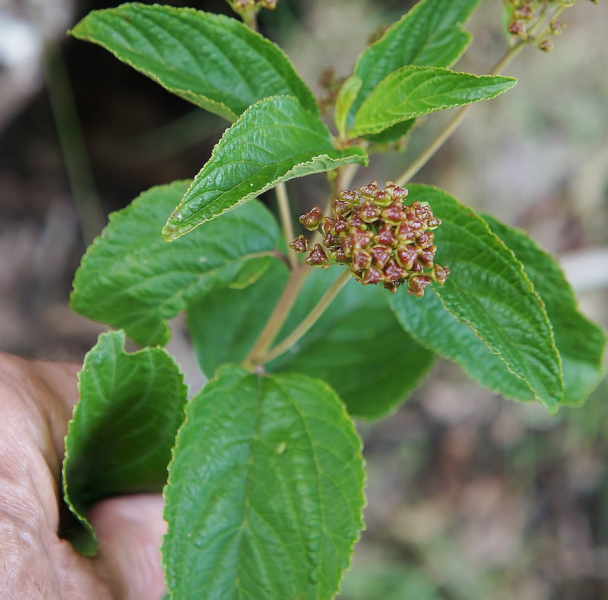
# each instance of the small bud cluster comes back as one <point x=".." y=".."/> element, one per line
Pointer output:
<point x="249" y="4"/>
<point x="525" y="15"/>
<point x="383" y="240"/>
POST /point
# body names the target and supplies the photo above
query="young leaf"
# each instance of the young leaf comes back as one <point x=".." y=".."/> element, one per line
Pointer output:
<point x="489" y="290"/>
<point x="120" y="438"/>
<point x="265" y="491"/>
<point x="391" y="134"/>
<point x="275" y="140"/>
<point x="414" y="91"/>
<point x="431" y="325"/>
<point x="345" y="99"/>
<point x="357" y="346"/>
<point x="213" y="61"/>
<point x="580" y="343"/>
<point x="429" y="35"/>
<point x="131" y="279"/>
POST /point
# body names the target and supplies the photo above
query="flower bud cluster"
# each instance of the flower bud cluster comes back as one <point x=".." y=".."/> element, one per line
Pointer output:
<point x="381" y="239"/>
<point x="524" y="16"/>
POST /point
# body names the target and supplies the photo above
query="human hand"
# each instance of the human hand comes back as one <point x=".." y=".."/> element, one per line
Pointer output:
<point x="36" y="402"/>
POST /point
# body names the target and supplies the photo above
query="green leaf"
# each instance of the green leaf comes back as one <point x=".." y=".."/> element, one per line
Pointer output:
<point x="275" y="140"/>
<point x="357" y="345"/>
<point x="429" y="35"/>
<point x="415" y="91"/>
<point x="580" y="342"/>
<point x="431" y="325"/>
<point x="265" y="491"/>
<point x="131" y="279"/>
<point x="224" y="323"/>
<point x="213" y="61"/>
<point x="391" y="134"/>
<point x="489" y="290"/>
<point x="346" y="97"/>
<point x="120" y="437"/>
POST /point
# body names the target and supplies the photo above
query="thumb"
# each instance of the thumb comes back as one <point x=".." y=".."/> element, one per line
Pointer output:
<point x="130" y="530"/>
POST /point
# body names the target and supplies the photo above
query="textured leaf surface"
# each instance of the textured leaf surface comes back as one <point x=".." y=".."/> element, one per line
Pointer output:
<point x="434" y="327"/>
<point x="265" y="491"/>
<point x="429" y="35"/>
<point x="131" y="279"/>
<point x="391" y="134"/>
<point x="580" y="343"/>
<point x="357" y="346"/>
<point x="211" y="60"/>
<point x="273" y="141"/>
<point x="120" y="438"/>
<point x="415" y="91"/>
<point x="489" y="290"/>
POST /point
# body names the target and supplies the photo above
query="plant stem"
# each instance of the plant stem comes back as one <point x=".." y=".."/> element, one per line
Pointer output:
<point x="449" y="129"/>
<point x="278" y="316"/>
<point x="311" y="318"/>
<point x="286" y="221"/>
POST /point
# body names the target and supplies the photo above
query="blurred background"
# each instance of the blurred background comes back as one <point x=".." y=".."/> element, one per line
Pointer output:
<point x="470" y="496"/>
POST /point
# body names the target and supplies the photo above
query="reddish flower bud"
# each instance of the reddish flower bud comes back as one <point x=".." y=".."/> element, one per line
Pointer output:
<point x="270" y="4"/>
<point x="311" y="220"/>
<point x="380" y="254"/>
<point x="386" y="236"/>
<point x="392" y="286"/>
<point x="407" y="234"/>
<point x="393" y="271"/>
<point x="368" y="191"/>
<point x="398" y="193"/>
<point x="406" y="255"/>
<point x="300" y="245"/>
<point x="416" y="285"/>
<point x="372" y="276"/>
<point x="382" y="198"/>
<point x="361" y="239"/>
<point x="348" y="245"/>
<point x="331" y="241"/>
<point x="350" y="196"/>
<point x="546" y="45"/>
<point x="317" y="257"/>
<point x="361" y="260"/>
<point x="425" y="240"/>
<point x="426" y="257"/>
<point x="517" y="27"/>
<point x="433" y="223"/>
<point x="440" y="274"/>
<point x="340" y="207"/>
<point x="338" y="256"/>
<point x="340" y="225"/>
<point x="394" y="214"/>
<point x="369" y="213"/>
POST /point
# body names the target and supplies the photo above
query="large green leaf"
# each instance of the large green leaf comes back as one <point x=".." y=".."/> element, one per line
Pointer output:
<point x="213" y="61"/>
<point x="265" y="491"/>
<point x="275" y="140"/>
<point x="579" y="342"/>
<point x="434" y="327"/>
<point x="429" y="35"/>
<point x="357" y="346"/>
<point x="120" y="438"/>
<point x="489" y="290"/>
<point x="415" y="91"/>
<point x="131" y="279"/>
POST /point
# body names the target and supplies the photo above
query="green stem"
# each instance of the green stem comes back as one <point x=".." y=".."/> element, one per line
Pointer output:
<point x="278" y="317"/>
<point x="286" y="221"/>
<point x="451" y="127"/>
<point x="310" y="320"/>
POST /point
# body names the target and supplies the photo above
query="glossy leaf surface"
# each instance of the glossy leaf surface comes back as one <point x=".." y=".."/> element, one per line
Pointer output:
<point x="357" y="345"/>
<point x="429" y="35"/>
<point x="275" y="140"/>
<point x="415" y="91"/>
<point x="131" y="279"/>
<point x="489" y="290"/>
<point x="120" y="438"/>
<point x="265" y="491"/>
<point x="580" y="343"/>
<point x="213" y="61"/>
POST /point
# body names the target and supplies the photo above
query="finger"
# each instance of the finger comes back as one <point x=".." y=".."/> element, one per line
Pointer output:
<point x="130" y="531"/>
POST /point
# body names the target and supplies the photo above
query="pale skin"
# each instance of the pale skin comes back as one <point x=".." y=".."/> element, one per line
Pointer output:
<point x="36" y="402"/>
